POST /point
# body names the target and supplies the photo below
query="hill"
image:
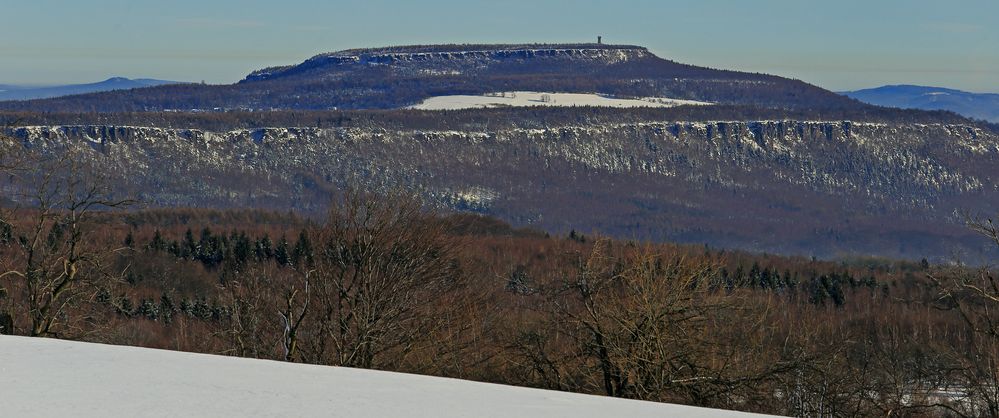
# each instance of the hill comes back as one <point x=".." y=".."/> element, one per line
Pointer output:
<point x="815" y="187"/>
<point x="384" y="78"/>
<point x="53" y="378"/>
<point x="13" y="92"/>
<point x="983" y="106"/>
<point x="772" y="164"/>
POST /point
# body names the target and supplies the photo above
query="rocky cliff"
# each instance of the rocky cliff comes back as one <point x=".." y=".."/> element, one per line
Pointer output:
<point x="813" y="187"/>
<point x="468" y="58"/>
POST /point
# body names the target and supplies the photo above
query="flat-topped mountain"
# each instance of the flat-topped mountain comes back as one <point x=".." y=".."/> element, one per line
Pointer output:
<point x="459" y="55"/>
<point x="395" y="77"/>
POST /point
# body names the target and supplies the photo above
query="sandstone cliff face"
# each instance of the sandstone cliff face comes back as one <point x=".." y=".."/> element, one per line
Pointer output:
<point x="812" y="187"/>
<point x="459" y="60"/>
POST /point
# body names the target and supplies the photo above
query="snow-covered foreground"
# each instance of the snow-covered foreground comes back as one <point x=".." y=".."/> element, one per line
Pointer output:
<point x="533" y="98"/>
<point x="53" y="378"/>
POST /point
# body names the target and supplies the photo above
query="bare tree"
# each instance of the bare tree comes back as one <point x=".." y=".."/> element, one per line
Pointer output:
<point x="50" y="261"/>
<point x="296" y="307"/>
<point x="974" y="296"/>
<point x="636" y="323"/>
<point x="383" y="267"/>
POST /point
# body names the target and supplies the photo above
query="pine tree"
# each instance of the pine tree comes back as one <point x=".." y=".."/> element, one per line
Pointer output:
<point x="129" y="241"/>
<point x="835" y="291"/>
<point x="158" y="243"/>
<point x="189" y="248"/>
<point x="264" y="248"/>
<point x="754" y="275"/>
<point x="817" y="294"/>
<point x="301" y="255"/>
<point x="241" y="249"/>
<point x="167" y="307"/>
<point x="281" y="254"/>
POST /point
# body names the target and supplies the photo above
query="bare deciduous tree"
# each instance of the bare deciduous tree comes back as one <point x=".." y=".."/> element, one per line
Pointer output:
<point x="974" y="296"/>
<point x="636" y="323"/>
<point x="381" y="264"/>
<point x="296" y="307"/>
<point x="49" y="262"/>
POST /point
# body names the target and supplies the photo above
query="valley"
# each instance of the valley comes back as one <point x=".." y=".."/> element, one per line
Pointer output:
<point x="571" y="217"/>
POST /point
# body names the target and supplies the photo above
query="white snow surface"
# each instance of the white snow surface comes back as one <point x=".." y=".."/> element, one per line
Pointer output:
<point x="533" y="98"/>
<point x="42" y="377"/>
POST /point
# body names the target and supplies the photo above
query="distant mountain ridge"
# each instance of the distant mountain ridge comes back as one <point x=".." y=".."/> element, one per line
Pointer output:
<point x="973" y="105"/>
<point x="14" y="92"/>
<point x="773" y="164"/>
<point x="396" y="77"/>
<point x="821" y="188"/>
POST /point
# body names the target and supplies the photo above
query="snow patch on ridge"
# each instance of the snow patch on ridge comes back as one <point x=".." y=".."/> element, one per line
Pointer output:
<point x="533" y="98"/>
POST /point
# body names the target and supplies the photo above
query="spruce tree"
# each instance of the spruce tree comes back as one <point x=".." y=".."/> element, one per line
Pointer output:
<point x="158" y="243"/>
<point x="189" y="248"/>
<point x="281" y="253"/>
<point x="301" y="255"/>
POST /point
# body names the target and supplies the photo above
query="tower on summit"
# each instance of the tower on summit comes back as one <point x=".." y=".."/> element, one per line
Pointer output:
<point x="600" y="40"/>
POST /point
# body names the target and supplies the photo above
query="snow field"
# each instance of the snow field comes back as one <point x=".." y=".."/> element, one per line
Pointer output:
<point x="53" y="378"/>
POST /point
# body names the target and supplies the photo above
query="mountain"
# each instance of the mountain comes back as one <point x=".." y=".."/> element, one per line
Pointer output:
<point x="13" y="92"/>
<point x="385" y="78"/>
<point x="812" y="187"/>
<point x="983" y="106"/>
<point x="760" y="162"/>
<point x="53" y="378"/>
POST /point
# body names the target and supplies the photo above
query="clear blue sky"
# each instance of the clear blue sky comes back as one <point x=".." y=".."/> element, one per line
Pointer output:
<point x="841" y="44"/>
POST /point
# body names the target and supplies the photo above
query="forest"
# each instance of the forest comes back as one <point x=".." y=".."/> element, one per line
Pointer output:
<point x="384" y="282"/>
<point x="483" y="118"/>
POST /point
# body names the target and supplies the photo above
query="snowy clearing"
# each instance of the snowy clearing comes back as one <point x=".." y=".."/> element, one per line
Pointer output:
<point x="53" y="378"/>
<point x="533" y="98"/>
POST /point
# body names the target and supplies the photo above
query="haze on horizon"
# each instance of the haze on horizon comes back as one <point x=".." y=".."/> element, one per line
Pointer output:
<point x="842" y="45"/>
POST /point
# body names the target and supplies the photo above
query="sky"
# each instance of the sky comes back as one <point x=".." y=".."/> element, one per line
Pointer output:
<point x="839" y="45"/>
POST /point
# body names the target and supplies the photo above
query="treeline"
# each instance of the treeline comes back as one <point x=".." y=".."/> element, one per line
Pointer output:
<point x="381" y="283"/>
<point x="475" y="119"/>
<point x="231" y="252"/>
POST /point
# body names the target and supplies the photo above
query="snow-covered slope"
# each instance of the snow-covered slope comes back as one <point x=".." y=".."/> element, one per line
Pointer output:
<point x="533" y="98"/>
<point x="54" y="378"/>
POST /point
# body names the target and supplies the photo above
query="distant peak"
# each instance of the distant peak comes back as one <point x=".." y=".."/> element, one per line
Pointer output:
<point x="117" y="80"/>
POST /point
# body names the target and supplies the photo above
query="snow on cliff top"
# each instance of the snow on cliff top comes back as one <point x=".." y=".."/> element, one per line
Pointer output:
<point x="53" y="378"/>
<point x="532" y="98"/>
